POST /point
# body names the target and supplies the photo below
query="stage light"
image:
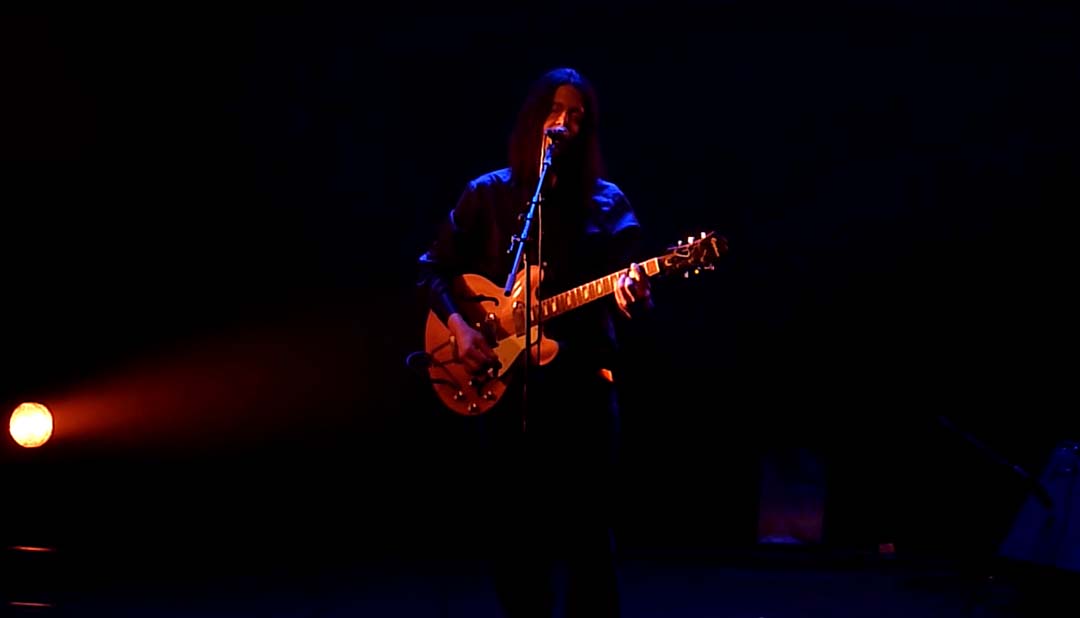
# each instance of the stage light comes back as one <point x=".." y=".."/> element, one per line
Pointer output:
<point x="31" y="425"/>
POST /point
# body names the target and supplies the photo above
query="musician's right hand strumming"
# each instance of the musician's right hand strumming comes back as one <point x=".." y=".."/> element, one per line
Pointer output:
<point x="471" y="346"/>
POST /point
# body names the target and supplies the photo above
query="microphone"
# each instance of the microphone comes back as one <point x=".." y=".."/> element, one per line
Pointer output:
<point x="557" y="134"/>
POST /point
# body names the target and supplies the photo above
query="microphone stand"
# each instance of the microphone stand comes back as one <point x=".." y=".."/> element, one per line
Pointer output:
<point x="1035" y="485"/>
<point x="518" y="244"/>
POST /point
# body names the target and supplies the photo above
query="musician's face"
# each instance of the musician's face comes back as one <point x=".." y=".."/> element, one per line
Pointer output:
<point x="567" y="110"/>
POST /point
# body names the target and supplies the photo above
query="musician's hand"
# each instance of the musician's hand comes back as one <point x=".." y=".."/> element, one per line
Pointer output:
<point x="471" y="346"/>
<point x="632" y="289"/>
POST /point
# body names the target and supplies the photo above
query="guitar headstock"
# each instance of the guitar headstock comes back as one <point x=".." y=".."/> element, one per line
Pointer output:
<point x="695" y="254"/>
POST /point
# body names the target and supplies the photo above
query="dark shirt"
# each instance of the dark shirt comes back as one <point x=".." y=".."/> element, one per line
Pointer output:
<point x="577" y="245"/>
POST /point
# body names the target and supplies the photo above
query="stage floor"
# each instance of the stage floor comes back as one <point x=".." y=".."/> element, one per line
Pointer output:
<point x="760" y="583"/>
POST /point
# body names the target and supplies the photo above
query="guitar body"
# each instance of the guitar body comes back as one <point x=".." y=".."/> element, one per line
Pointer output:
<point x="502" y="321"/>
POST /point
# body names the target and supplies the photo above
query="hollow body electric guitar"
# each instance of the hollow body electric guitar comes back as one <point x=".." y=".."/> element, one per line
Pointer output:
<point x="501" y="319"/>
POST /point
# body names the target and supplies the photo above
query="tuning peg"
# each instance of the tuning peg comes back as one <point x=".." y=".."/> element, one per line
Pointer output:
<point x="689" y="240"/>
<point x="703" y="235"/>
<point x="686" y="275"/>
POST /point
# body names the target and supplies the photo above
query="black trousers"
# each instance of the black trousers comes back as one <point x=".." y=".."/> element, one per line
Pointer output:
<point x="553" y="494"/>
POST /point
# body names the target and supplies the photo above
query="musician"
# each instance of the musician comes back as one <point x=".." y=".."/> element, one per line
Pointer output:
<point x="552" y="439"/>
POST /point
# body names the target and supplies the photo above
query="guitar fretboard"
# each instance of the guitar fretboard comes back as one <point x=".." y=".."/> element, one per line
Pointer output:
<point x="588" y="292"/>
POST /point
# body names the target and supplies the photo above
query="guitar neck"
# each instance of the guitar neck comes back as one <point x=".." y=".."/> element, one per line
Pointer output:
<point x="588" y="292"/>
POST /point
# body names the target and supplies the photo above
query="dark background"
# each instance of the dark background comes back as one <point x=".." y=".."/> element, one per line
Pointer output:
<point x="210" y="224"/>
